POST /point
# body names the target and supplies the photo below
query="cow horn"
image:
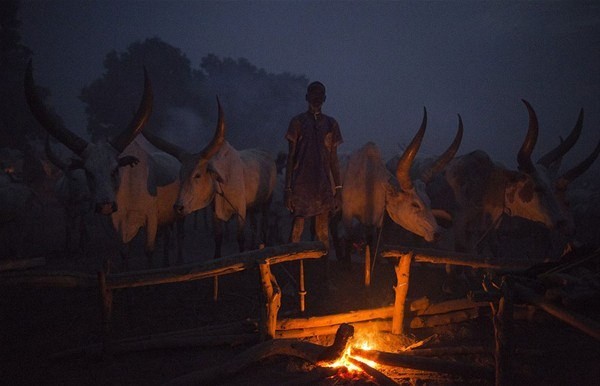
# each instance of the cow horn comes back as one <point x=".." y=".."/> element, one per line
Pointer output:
<point x="48" y="120"/>
<point x="53" y="158"/>
<point x="142" y="115"/>
<point x="166" y="146"/>
<point x="219" y="138"/>
<point x="578" y="170"/>
<point x="564" y="146"/>
<point x="406" y="160"/>
<point x="524" y="156"/>
<point x="446" y="157"/>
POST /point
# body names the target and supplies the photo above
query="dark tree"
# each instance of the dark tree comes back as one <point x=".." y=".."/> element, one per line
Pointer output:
<point x="16" y="122"/>
<point x="112" y="99"/>
<point x="258" y="105"/>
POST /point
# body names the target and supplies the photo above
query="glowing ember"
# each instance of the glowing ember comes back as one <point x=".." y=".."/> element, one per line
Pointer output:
<point x="346" y="369"/>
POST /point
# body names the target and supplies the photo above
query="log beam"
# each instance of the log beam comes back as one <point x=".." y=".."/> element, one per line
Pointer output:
<point x="434" y="256"/>
<point x="402" y="269"/>
<point x="425" y="364"/>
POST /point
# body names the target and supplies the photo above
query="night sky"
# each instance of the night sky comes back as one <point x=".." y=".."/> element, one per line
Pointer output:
<point x="381" y="61"/>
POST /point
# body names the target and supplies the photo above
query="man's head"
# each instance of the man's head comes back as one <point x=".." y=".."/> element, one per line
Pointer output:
<point x="315" y="94"/>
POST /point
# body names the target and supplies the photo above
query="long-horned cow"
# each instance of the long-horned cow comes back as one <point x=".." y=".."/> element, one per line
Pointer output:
<point x="533" y="238"/>
<point x="127" y="181"/>
<point x="550" y="164"/>
<point x="233" y="181"/>
<point x="477" y="192"/>
<point x="73" y="194"/>
<point x="370" y="190"/>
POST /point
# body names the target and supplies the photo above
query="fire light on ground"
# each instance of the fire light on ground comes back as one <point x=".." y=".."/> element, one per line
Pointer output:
<point x="347" y="363"/>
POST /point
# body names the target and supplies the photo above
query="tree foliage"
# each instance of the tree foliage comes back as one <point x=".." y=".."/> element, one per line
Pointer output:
<point x="16" y="122"/>
<point x="258" y="105"/>
<point x="113" y="98"/>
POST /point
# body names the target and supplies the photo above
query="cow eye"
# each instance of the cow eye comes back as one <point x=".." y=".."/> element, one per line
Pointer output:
<point x="197" y="175"/>
<point x="415" y="205"/>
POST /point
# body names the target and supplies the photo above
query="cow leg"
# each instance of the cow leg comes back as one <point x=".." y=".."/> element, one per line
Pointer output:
<point x="125" y="252"/>
<point x="166" y="231"/>
<point x="346" y="257"/>
<point x="251" y="216"/>
<point x="180" y="229"/>
<point x="218" y="235"/>
<point x="322" y="231"/>
<point x="264" y="222"/>
<point x="241" y="237"/>
<point x="83" y="235"/>
<point x="151" y="232"/>
<point x="334" y="223"/>
<point x="297" y="229"/>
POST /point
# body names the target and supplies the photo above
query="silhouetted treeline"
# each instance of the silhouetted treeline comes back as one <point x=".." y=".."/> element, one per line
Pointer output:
<point x="258" y="105"/>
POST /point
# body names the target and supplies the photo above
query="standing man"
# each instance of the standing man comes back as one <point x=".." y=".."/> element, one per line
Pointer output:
<point x="312" y="179"/>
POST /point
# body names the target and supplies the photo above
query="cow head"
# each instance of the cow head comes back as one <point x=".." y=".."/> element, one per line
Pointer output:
<point x="198" y="175"/>
<point x="550" y="163"/>
<point x="102" y="160"/>
<point x="409" y="205"/>
<point x="529" y="193"/>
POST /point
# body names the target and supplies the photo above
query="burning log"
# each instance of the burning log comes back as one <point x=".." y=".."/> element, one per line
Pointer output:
<point x="310" y="352"/>
<point x="426" y="364"/>
<point x="380" y="378"/>
<point x="338" y="347"/>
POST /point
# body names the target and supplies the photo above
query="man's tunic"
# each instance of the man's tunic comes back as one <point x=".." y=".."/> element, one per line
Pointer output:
<point x="312" y="182"/>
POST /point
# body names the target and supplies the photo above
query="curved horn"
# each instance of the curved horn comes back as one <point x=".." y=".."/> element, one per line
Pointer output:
<point x="142" y="115"/>
<point x="53" y="158"/>
<point x="218" y="139"/>
<point x="524" y="156"/>
<point x="579" y="169"/>
<point x="50" y="121"/>
<point x="446" y="157"/>
<point x="564" y="146"/>
<point x="166" y="146"/>
<point x="406" y="160"/>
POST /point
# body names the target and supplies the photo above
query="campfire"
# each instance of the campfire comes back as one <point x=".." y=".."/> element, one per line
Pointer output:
<point x="351" y="366"/>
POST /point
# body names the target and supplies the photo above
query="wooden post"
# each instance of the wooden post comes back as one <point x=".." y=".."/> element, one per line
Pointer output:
<point x="301" y="290"/>
<point x="107" y="299"/>
<point x="272" y="295"/>
<point x="402" y="277"/>
<point x="367" y="265"/>
<point x="503" y="330"/>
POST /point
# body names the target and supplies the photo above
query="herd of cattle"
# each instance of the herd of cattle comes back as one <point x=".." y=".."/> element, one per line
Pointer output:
<point x="144" y="182"/>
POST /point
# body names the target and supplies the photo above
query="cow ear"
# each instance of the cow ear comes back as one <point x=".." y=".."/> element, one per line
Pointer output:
<point x="215" y="173"/>
<point x="128" y="160"/>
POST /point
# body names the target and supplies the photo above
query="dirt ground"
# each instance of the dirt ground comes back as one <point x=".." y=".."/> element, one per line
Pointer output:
<point x="37" y="323"/>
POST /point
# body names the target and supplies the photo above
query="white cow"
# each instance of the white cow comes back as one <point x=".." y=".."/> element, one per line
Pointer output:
<point x="136" y="187"/>
<point x="233" y="181"/>
<point x="370" y="190"/>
